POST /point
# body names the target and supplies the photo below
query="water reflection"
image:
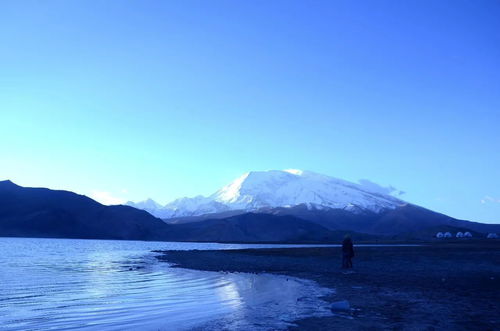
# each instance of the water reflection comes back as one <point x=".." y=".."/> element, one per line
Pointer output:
<point x="116" y="285"/>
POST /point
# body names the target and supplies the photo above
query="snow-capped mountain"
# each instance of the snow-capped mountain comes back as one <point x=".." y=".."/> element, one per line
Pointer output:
<point x="258" y="190"/>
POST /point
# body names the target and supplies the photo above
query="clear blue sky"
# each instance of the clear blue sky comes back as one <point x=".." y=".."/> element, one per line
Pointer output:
<point x="163" y="99"/>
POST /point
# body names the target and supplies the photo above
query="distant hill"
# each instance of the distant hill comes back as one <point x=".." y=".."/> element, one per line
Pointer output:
<point x="254" y="227"/>
<point x="40" y="212"/>
<point x="405" y="222"/>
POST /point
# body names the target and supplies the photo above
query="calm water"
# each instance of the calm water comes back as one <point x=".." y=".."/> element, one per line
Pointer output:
<point x="63" y="284"/>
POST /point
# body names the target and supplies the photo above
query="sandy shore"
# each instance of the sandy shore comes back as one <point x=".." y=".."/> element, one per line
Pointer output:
<point x="452" y="286"/>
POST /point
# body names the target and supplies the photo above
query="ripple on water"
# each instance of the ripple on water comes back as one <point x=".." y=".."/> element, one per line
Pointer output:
<point x="117" y="285"/>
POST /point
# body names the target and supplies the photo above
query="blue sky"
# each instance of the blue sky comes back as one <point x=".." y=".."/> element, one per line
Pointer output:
<point x="133" y="99"/>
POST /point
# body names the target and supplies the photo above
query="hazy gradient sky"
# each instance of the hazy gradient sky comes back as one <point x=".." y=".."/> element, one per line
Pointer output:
<point x="133" y="99"/>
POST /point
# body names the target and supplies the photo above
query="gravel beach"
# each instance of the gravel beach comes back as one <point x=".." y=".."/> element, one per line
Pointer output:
<point x="437" y="286"/>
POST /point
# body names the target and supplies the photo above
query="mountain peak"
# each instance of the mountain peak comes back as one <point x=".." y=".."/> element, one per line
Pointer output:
<point x="7" y="183"/>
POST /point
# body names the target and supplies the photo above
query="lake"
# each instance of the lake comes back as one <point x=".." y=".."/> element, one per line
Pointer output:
<point x="65" y="284"/>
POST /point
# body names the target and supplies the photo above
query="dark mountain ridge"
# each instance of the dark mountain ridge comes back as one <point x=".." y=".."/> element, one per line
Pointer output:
<point x="41" y="212"/>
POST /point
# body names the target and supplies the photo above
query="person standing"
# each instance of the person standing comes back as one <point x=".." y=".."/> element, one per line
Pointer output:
<point x="347" y="252"/>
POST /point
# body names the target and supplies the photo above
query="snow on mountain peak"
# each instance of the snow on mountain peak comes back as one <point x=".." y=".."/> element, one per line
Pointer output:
<point x="297" y="172"/>
<point x="284" y="188"/>
<point x="276" y="188"/>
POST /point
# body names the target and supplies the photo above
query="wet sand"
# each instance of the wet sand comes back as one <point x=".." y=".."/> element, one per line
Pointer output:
<point x="439" y="286"/>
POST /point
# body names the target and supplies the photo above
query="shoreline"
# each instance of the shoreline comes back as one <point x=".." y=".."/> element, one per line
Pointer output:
<point x="430" y="287"/>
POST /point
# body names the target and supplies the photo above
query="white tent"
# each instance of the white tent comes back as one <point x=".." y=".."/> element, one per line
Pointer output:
<point x="460" y="235"/>
<point x="447" y="235"/>
<point x="492" y="236"/>
<point x="467" y="235"/>
<point x="439" y="235"/>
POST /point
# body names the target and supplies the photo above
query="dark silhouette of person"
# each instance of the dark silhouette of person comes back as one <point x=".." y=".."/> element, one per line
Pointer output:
<point x="347" y="252"/>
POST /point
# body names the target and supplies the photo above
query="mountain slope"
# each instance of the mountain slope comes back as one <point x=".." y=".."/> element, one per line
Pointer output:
<point x="40" y="212"/>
